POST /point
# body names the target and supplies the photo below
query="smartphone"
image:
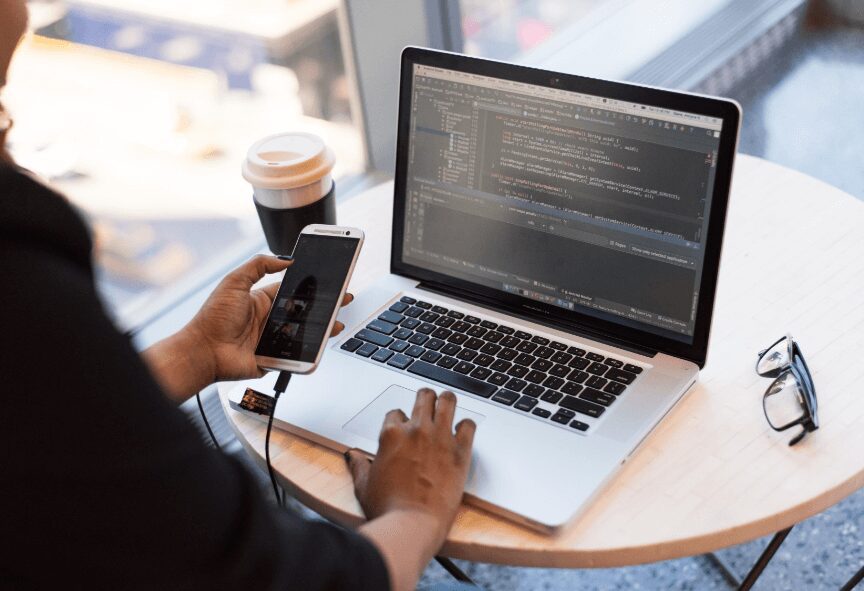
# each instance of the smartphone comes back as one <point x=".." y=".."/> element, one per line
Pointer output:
<point x="305" y="307"/>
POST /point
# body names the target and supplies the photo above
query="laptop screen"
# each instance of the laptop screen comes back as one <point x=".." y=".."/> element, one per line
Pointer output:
<point x="583" y="202"/>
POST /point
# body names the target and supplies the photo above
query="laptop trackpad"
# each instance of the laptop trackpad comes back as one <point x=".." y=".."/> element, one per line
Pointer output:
<point x="367" y="423"/>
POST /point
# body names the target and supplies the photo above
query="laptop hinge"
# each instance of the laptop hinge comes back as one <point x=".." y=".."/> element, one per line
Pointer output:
<point x="496" y="306"/>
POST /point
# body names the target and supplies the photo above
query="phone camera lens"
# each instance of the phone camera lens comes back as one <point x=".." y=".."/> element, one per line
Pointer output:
<point x="347" y="233"/>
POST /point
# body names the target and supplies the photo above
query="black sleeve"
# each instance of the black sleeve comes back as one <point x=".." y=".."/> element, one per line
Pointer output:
<point x="105" y="484"/>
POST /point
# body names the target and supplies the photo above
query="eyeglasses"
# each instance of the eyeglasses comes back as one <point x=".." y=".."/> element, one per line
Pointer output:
<point x="790" y="400"/>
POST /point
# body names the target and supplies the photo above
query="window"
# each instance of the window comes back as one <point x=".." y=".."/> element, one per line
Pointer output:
<point x="141" y="112"/>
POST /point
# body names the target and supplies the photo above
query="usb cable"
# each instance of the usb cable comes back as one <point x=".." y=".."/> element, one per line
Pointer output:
<point x="281" y="384"/>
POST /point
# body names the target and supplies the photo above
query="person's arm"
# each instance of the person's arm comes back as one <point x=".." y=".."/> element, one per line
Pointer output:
<point x="413" y="488"/>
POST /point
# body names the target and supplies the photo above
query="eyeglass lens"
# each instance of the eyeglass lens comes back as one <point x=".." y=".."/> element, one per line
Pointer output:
<point x="783" y="402"/>
<point x="774" y="358"/>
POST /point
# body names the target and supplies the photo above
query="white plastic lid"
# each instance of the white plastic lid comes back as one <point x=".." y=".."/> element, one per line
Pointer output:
<point x="287" y="161"/>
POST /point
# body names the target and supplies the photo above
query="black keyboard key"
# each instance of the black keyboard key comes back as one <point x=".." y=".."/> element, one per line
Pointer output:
<point x="596" y="382"/>
<point x="476" y="331"/>
<point x="407" y="300"/>
<point x="484" y="360"/>
<point x="453" y="379"/>
<point x="490" y="348"/>
<point x="382" y="326"/>
<point x="418" y="339"/>
<point x="535" y="376"/>
<point x="558" y="346"/>
<point x="632" y="368"/>
<point x="542" y="365"/>
<point x="594" y="356"/>
<point x="461" y="326"/>
<point x="613" y="362"/>
<point x="501" y="365"/>
<point x="390" y="316"/>
<point x="592" y="395"/>
<point x="440" y="309"/>
<point x="464" y="367"/>
<point x="550" y="396"/>
<point x="351" y="345"/>
<point x="553" y="382"/>
<point x="516" y="384"/>
<point x="597" y="368"/>
<point x="488" y="324"/>
<point x="576" y="351"/>
<point x="578" y="376"/>
<point x="505" y="329"/>
<point x="447" y="362"/>
<point x="525" y="403"/>
<point x="431" y="356"/>
<point x="466" y="355"/>
<point x="507" y="354"/>
<point x="544" y="352"/>
<point x="434" y="344"/>
<point x="444" y="322"/>
<point x="442" y="333"/>
<point x="619" y="375"/>
<point x="540" y="340"/>
<point x="382" y="355"/>
<point x="474" y="343"/>
<point x="402" y="334"/>
<point x="525" y="359"/>
<point x="415" y="351"/>
<point x="455" y="314"/>
<point x="481" y="373"/>
<point x="410" y="323"/>
<point x="493" y="336"/>
<point x="374" y="337"/>
<point x="400" y="361"/>
<point x="366" y="350"/>
<point x="509" y="342"/>
<point x="398" y="307"/>
<point x="457" y="338"/>
<point x="413" y="312"/>
<point x="424" y="305"/>
<point x="562" y="418"/>
<point x="534" y="390"/>
<point x="571" y="389"/>
<point x="582" y="406"/>
<point x="579" y="425"/>
<point x="399" y="346"/>
<point x="614" y="388"/>
<point x="526" y="347"/>
<point x="506" y="397"/>
<point x="521" y="334"/>
<point x="517" y="371"/>
<point x="429" y="316"/>
<point x="579" y="363"/>
<point x="450" y="349"/>
<point x="425" y="328"/>
<point x="561" y="357"/>
<point x="541" y="412"/>
<point x="559" y="371"/>
<point x="472" y="320"/>
<point x="499" y="379"/>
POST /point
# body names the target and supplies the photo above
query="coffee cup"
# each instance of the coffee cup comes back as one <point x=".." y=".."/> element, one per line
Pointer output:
<point x="292" y="186"/>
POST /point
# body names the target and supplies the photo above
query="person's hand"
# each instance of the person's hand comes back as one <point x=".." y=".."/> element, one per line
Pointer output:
<point x="421" y="466"/>
<point x="230" y="321"/>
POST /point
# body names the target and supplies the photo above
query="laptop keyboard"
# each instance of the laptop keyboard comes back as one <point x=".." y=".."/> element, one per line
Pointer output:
<point x="549" y="379"/>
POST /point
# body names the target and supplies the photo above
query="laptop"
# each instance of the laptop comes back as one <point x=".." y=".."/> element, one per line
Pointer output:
<point x="555" y="249"/>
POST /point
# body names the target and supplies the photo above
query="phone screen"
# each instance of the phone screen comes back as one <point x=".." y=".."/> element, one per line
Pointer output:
<point x="307" y="297"/>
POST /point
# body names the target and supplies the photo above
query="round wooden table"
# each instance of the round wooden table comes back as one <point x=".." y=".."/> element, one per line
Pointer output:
<point x="713" y="474"/>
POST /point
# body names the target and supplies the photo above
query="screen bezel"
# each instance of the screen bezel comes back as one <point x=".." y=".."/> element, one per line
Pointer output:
<point x="727" y="110"/>
<point x="304" y="367"/>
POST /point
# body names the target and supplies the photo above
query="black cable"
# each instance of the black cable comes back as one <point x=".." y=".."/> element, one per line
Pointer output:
<point x="206" y="422"/>
<point x="281" y="383"/>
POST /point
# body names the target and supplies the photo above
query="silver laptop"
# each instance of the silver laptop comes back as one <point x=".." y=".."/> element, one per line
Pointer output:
<point x="556" y="242"/>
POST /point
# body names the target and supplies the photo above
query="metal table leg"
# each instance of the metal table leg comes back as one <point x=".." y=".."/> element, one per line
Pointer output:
<point x="856" y="578"/>
<point x="454" y="570"/>
<point x="758" y="567"/>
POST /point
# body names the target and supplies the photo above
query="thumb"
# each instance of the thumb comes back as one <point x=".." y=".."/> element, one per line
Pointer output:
<point x="358" y="465"/>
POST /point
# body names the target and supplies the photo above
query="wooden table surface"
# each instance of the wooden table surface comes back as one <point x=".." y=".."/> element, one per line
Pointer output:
<point x="713" y="474"/>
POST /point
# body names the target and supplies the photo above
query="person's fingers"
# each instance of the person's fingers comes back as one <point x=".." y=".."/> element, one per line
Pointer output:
<point x="394" y="418"/>
<point x="424" y="406"/>
<point x="337" y="328"/>
<point x="255" y="268"/>
<point x="465" y="431"/>
<point x="444" y="411"/>
<point x="359" y="467"/>
<point x="349" y="297"/>
<point x="271" y="290"/>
